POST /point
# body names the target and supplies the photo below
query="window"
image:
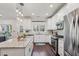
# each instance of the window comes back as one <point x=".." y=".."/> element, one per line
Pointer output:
<point x="39" y="27"/>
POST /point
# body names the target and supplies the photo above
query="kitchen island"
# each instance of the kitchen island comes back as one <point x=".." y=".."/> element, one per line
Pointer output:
<point x="13" y="47"/>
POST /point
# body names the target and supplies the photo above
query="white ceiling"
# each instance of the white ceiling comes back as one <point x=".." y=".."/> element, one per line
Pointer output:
<point x="8" y="10"/>
<point x="40" y="9"/>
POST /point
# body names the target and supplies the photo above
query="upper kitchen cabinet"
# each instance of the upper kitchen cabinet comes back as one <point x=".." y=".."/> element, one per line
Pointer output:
<point x="38" y="27"/>
<point x="51" y="24"/>
<point x="24" y="25"/>
<point x="27" y="23"/>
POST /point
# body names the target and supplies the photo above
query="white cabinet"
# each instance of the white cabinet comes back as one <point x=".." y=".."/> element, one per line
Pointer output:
<point x="51" y="24"/>
<point x="61" y="46"/>
<point x="61" y="43"/>
<point x="12" y="52"/>
<point x="26" y="24"/>
<point x="41" y="38"/>
<point x="19" y="50"/>
<point x="25" y="51"/>
<point x="29" y="48"/>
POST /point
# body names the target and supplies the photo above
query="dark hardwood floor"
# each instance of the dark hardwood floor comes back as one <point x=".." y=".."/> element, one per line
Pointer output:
<point x="42" y="50"/>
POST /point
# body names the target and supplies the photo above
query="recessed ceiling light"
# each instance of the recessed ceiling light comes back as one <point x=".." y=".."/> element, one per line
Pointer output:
<point x="46" y="13"/>
<point x="17" y="10"/>
<point x="21" y="20"/>
<point x="21" y="14"/>
<point x="33" y="13"/>
<point x="50" y="5"/>
<point x="0" y="15"/>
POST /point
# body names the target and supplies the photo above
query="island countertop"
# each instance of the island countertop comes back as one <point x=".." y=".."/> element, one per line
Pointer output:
<point x="14" y="43"/>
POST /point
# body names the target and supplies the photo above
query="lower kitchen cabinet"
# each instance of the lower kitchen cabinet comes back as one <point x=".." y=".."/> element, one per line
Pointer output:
<point x="41" y="38"/>
<point x="18" y="51"/>
<point x="29" y="48"/>
<point x="12" y="52"/>
<point x="60" y="47"/>
<point x="26" y="51"/>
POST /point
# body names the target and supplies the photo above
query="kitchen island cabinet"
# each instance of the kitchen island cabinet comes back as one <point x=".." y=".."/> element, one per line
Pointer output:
<point x="17" y="48"/>
<point x="41" y="38"/>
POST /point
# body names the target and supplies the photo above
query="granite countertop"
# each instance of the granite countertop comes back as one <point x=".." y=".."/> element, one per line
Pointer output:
<point x="14" y="43"/>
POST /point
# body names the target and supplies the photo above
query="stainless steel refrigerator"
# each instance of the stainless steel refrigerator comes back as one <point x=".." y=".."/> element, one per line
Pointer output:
<point x="71" y="34"/>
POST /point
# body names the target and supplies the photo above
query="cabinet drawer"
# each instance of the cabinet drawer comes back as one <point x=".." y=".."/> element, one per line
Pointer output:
<point x="12" y="52"/>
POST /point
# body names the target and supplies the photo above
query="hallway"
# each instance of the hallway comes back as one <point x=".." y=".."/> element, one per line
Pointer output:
<point x="43" y="50"/>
